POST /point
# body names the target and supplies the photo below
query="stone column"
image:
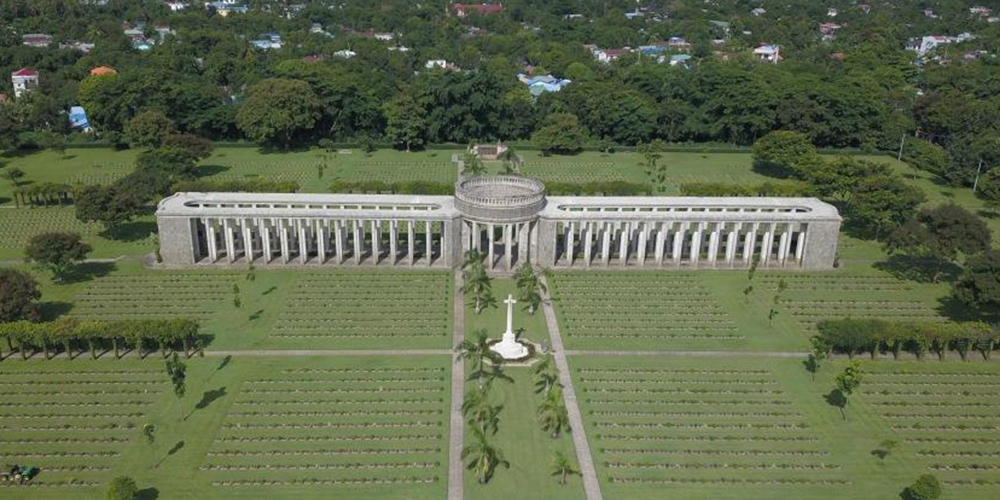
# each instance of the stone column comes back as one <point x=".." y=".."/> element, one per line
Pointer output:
<point x="800" y="245"/>
<point x="303" y="240"/>
<point x="357" y="241"/>
<point x="320" y="242"/>
<point x="588" y="237"/>
<point x="783" y="242"/>
<point x="508" y="245"/>
<point x="713" y="244"/>
<point x="570" y="243"/>
<point x="474" y="238"/>
<point x="749" y="244"/>
<point x="376" y="236"/>
<point x="643" y="228"/>
<point x="623" y="243"/>
<point x="430" y="243"/>
<point x="285" y="252"/>
<point x="409" y="241"/>
<point x="265" y="239"/>
<point x="338" y="228"/>
<point x="393" y="236"/>
<point x="523" y="229"/>
<point x="661" y="233"/>
<point x="731" y="244"/>
<point x="696" y="243"/>
<point x="765" y="251"/>
<point x="489" y="228"/>
<point x="606" y="244"/>
<point x="213" y="242"/>
<point x="679" y="242"/>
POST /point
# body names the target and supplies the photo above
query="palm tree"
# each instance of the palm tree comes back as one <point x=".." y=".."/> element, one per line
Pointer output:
<point x="562" y="467"/>
<point x="473" y="399"/>
<point x="479" y="287"/>
<point x="477" y="347"/>
<point x="511" y="161"/>
<point x="530" y="288"/>
<point x="472" y="165"/>
<point x="485" y="456"/>
<point x="552" y="413"/>
<point x="544" y="365"/>
<point x="545" y="382"/>
<point x="472" y="259"/>
<point x="486" y="418"/>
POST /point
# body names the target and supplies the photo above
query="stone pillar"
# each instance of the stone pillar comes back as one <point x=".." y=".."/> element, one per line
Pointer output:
<point x="713" y="244"/>
<point x="545" y="235"/>
<point x="661" y="233"/>
<point x="749" y="244"/>
<point x="783" y="243"/>
<point x="800" y="237"/>
<point x="303" y="240"/>
<point x="213" y="241"/>
<point x="696" y="243"/>
<point x="508" y="244"/>
<point x="285" y="252"/>
<point x="643" y="229"/>
<point x="247" y="241"/>
<point x="227" y="231"/>
<point x="731" y="244"/>
<point x="429" y="242"/>
<point x="765" y="250"/>
<point x="338" y="229"/>
<point x="588" y="238"/>
<point x="265" y="239"/>
<point x="409" y="242"/>
<point x="393" y="237"/>
<point x="623" y="243"/>
<point x="357" y="241"/>
<point x="570" y="243"/>
<point x="489" y="227"/>
<point x="320" y="242"/>
<point x="679" y="242"/>
<point x="523" y="229"/>
<point x="606" y="244"/>
<point x="376" y="236"/>
<point x="474" y="237"/>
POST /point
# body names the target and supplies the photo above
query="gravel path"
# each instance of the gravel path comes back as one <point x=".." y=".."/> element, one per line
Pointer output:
<point x="456" y="470"/>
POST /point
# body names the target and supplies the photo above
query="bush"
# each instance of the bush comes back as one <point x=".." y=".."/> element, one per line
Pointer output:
<point x="18" y="293"/>
<point x="122" y="488"/>
<point x="927" y="487"/>
<point x="925" y="155"/>
<point x="787" y="153"/>
<point x="852" y="336"/>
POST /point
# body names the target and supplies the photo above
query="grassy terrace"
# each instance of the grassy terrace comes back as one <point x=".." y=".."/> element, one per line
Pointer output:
<point x="749" y="428"/>
<point x="353" y="427"/>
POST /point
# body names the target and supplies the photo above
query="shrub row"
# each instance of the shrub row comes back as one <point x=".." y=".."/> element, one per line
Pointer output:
<point x="70" y="332"/>
<point x="43" y="193"/>
<point x="852" y="336"/>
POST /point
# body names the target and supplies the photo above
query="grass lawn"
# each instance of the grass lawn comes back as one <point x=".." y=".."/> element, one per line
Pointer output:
<point x="279" y="309"/>
<point x="527" y="447"/>
<point x="362" y="427"/>
<point x="737" y="428"/>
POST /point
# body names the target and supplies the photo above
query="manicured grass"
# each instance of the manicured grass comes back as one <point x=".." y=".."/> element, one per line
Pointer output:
<point x="87" y="426"/>
<point x="525" y="444"/>
<point x="18" y="225"/>
<point x="737" y="428"/>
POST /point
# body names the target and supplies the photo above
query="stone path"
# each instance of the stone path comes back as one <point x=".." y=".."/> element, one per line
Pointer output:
<point x="745" y="354"/>
<point x="586" y="462"/>
<point x="456" y="470"/>
<point x="332" y="352"/>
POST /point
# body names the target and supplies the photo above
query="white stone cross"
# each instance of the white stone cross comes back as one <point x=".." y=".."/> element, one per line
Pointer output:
<point x="510" y="313"/>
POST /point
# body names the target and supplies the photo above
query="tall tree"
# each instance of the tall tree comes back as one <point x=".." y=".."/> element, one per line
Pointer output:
<point x="486" y="456"/>
<point x="56" y="252"/>
<point x="848" y="381"/>
<point x="943" y="232"/>
<point x="979" y="284"/>
<point x="530" y="288"/>
<point x="177" y="371"/>
<point x="560" y="133"/>
<point x="405" y="122"/>
<point x="279" y="111"/>
<point x="552" y="413"/>
<point x="108" y="205"/>
<point x="477" y="348"/>
<point x="147" y="129"/>
<point x="18" y="293"/>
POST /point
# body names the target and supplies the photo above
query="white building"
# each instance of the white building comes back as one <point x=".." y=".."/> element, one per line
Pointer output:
<point x="768" y="53"/>
<point x="24" y="80"/>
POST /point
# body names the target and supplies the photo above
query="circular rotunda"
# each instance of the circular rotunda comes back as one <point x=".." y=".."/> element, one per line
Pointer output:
<point x="499" y="198"/>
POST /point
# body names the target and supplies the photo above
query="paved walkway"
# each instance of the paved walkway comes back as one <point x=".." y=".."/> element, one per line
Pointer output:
<point x="456" y="470"/>
<point x="587" y="471"/>
<point x="332" y="352"/>
<point x="744" y="354"/>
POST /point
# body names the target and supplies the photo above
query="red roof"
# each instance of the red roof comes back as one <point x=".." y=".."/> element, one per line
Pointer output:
<point x="25" y="72"/>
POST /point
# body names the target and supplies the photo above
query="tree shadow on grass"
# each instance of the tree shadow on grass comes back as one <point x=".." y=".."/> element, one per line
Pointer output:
<point x="88" y="271"/>
<point x="956" y="310"/>
<point x="208" y="170"/>
<point x="137" y="230"/>
<point x="837" y="399"/>
<point x="207" y="398"/>
<point x="989" y="214"/>
<point x="177" y="447"/>
<point x="921" y="270"/>
<point x="147" y="494"/>
<point x="52" y="310"/>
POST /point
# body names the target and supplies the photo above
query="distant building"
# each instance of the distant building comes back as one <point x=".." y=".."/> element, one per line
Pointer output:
<point x="539" y="85"/>
<point x="929" y="12"/>
<point x="268" y="41"/>
<point x="768" y="53"/>
<point x="226" y="7"/>
<point x="464" y="9"/>
<point x="440" y="64"/>
<point x="78" y="119"/>
<point x="103" y="71"/>
<point x="829" y="30"/>
<point x="759" y="11"/>
<point x="79" y="46"/>
<point x="865" y="8"/>
<point x="981" y="11"/>
<point x="831" y="12"/>
<point x="680" y="60"/>
<point x="40" y="40"/>
<point x="346" y="53"/>
<point x="24" y="80"/>
<point x="175" y="6"/>
<point x="925" y="45"/>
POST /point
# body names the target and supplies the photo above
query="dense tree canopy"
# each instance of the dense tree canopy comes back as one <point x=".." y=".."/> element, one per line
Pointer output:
<point x="18" y="293"/>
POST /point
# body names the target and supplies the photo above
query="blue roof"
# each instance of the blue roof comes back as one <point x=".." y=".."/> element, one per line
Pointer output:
<point x="78" y="118"/>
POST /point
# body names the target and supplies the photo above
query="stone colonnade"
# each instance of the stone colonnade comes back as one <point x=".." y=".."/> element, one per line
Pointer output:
<point x="505" y="245"/>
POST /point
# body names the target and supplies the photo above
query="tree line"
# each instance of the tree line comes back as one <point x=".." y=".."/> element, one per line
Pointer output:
<point x="873" y="336"/>
<point x="75" y="335"/>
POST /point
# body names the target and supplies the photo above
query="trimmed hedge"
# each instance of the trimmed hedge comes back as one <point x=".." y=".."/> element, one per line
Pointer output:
<point x="44" y="193"/>
<point x="164" y="333"/>
<point x="853" y="336"/>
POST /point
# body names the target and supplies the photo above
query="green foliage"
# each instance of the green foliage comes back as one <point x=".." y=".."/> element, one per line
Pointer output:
<point x="486" y="457"/>
<point x="790" y="153"/>
<point x="177" y="371"/>
<point x="198" y="147"/>
<point x="925" y="155"/>
<point x="402" y="187"/>
<point x="149" y="433"/>
<point x="43" y="193"/>
<point x="530" y="288"/>
<point x="880" y="204"/>
<point x="109" y="205"/>
<point x="56" y="252"/>
<point x="562" y="467"/>
<point x="18" y="293"/>
<point x="927" y="487"/>
<point x="560" y="133"/>
<point x="552" y="413"/>
<point x="477" y="348"/>
<point x="175" y="163"/>
<point x="989" y="189"/>
<point x="943" y="232"/>
<point x="147" y="129"/>
<point x="979" y="284"/>
<point x="277" y="110"/>
<point x="177" y="333"/>
<point x="122" y="488"/>
<point x="405" y="122"/>
<point x="472" y="165"/>
<point x="852" y="336"/>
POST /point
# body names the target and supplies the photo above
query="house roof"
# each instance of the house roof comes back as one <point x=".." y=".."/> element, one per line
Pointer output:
<point x="25" y="72"/>
<point x="482" y="8"/>
<point x="103" y="70"/>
